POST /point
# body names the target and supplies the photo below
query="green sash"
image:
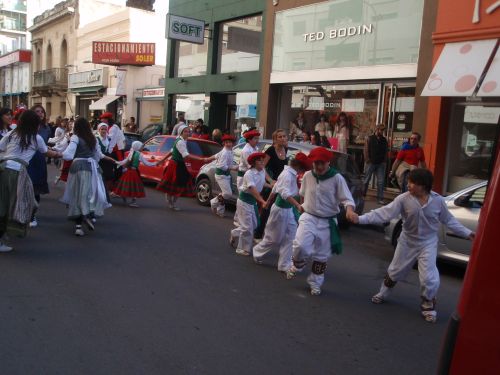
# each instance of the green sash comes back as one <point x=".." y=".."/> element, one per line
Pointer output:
<point x="103" y="148"/>
<point x="176" y="155"/>
<point x="335" y="240"/>
<point x="250" y="199"/>
<point x="222" y="172"/>
<point x="241" y="173"/>
<point x="281" y="203"/>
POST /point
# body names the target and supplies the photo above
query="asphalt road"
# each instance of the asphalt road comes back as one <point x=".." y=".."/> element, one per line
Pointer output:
<point x="153" y="291"/>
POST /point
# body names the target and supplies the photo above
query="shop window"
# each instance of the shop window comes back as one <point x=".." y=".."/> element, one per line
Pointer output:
<point x="192" y="106"/>
<point x="473" y="136"/>
<point x="191" y="59"/>
<point x="240" y="44"/>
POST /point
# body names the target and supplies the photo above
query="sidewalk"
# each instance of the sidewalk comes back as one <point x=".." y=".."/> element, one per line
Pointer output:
<point x="371" y="198"/>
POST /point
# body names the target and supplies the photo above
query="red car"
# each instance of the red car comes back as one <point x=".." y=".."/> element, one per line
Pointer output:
<point x="157" y="147"/>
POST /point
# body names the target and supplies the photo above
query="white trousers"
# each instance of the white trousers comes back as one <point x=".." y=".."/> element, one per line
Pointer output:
<point x="279" y="234"/>
<point x="312" y="242"/>
<point x="239" y="182"/>
<point x="224" y="183"/>
<point x="424" y="252"/>
<point x="247" y="223"/>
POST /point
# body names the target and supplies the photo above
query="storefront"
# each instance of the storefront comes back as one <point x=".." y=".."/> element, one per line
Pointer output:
<point x="215" y="75"/>
<point x="15" y="79"/>
<point x="150" y="107"/>
<point x="89" y="87"/>
<point x="356" y="57"/>
<point x="464" y="109"/>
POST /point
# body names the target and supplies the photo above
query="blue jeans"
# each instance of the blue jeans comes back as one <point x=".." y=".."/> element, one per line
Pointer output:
<point x="379" y="170"/>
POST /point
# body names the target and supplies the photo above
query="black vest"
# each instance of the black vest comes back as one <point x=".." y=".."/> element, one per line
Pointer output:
<point x="377" y="149"/>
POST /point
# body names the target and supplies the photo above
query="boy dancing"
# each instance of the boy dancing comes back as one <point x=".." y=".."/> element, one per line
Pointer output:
<point x="247" y="205"/>
<point x="323" y="190"/>
<point x="282" y="224"/>
<point x="223" y="167"/>
<point x="422" y="210"/>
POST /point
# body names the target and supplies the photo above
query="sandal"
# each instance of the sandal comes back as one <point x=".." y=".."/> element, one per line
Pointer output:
<point x="377" y="299"/>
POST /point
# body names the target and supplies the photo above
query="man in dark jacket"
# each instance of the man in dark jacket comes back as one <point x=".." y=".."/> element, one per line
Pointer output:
<point x="375" y="152"/>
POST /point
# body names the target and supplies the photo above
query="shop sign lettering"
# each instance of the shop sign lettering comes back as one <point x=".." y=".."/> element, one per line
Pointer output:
<point x="185" y="29"/>
<point x="343" y="32"/>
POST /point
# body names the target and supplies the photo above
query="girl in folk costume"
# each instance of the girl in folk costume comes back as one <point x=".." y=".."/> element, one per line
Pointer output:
<point x="323" y="190"/>
<point x="60" y="141"/>
<point x="130" y="184"/>
<point x="177" y="181"/>
<point x="116" y="136"/>
<point x="247" y="205"/>
<point x="224" y="165"/>
<point x="84" y="194"/>
<point x="422" y="211"/>
<point x="108" y="168"/>
<point x="17" y="199"/>
<point x="282" y="223"/>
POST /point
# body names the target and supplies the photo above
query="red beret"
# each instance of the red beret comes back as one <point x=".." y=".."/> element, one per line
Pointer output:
<point x="106" y="115"/>
<point x="250" y="134"/>
<point x="253" y="157"/>
<point x="320" y="154"/>
<point x="227" y="137"/>
<point x="303" y="159"/>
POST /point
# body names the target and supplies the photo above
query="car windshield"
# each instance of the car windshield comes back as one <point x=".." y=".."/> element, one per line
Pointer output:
<point x="167" y="146"/>
<point x="209" y="149"/>
<point x="153" y="144"/>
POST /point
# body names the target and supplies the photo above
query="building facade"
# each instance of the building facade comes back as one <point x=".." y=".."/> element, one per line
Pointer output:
<point x="462" y="128"/>
<point x="363" y="58"/>
<point x="218" y="80"/>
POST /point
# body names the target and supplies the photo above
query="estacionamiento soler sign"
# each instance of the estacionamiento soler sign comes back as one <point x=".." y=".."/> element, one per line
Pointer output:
<point x="186" y="29"/>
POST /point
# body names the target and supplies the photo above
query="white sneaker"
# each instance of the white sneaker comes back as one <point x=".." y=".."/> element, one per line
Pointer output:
<point x="315" y="291"/>
<point x="4" y="248"/>
<point x="242" y="252"/>
<point x="34" y="223"/>
<point x="175" y="208"/>
<point x="79" y="231"/>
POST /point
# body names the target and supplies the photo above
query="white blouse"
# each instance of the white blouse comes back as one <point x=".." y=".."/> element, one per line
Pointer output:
<point x="12" y="149"/>
<point x="322" y="198"/>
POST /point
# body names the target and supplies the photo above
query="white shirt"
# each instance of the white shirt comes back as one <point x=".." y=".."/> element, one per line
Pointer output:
<point x="322" y="198"/>
<point x="224" y="159"/>
<point x="69" y="153"/>
<point x="254" y="178"/>
<point x="12" y="149"/>
<point x="245" y="153"/>
<point x="175" y="130"/>
<point x="181" y="146"/>
<point x="58" y="136"/>
<point x="287" y="185"/>
<point x="419" y="222"/>
<point x="116" y="138"/>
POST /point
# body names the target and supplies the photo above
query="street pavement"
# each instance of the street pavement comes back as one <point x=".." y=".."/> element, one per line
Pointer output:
<point x="152" y="291"/>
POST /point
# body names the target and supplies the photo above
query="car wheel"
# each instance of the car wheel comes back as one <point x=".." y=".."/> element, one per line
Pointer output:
<point x="203" y="192"/>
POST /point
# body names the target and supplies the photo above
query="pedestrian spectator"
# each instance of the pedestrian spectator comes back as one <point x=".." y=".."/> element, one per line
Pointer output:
<point x="131" y="126"/>
<point x="306" y="138"/>
<point x="375" y="153"/>
<point x="177" y="181"/>
<point x="323" y="126"/>
<point x="223" y="166"/>
<point x="198" y="132"/>
<point x="275" y="161"/>
<point x="342" y="131"/>
<point x="323" y="190"/>
<point x="84" y="194"/>
<point x="5" y="121"/>
<point x="410" y="156"/>
<point x="422" y="210"/>
<point x="130" y="184"/>
<point x="247" y="204"/>
<point x="282" y="223"/>
<point x="180" y="122"/>
<point x="17" y="200"/>
<point x="217" y="136"/>
<point x="298" y="127"/>
<point x="37" y="168"/>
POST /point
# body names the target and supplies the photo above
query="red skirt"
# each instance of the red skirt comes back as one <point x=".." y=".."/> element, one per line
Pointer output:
<point x="130" y="185"/>
<point x="65" y="170"/>
<point x="177" y="181"/>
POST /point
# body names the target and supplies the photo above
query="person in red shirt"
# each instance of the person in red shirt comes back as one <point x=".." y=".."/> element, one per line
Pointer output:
<point x="410" y="156"/>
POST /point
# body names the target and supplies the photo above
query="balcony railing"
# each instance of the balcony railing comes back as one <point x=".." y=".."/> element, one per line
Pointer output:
<point x="56" y="77"/>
